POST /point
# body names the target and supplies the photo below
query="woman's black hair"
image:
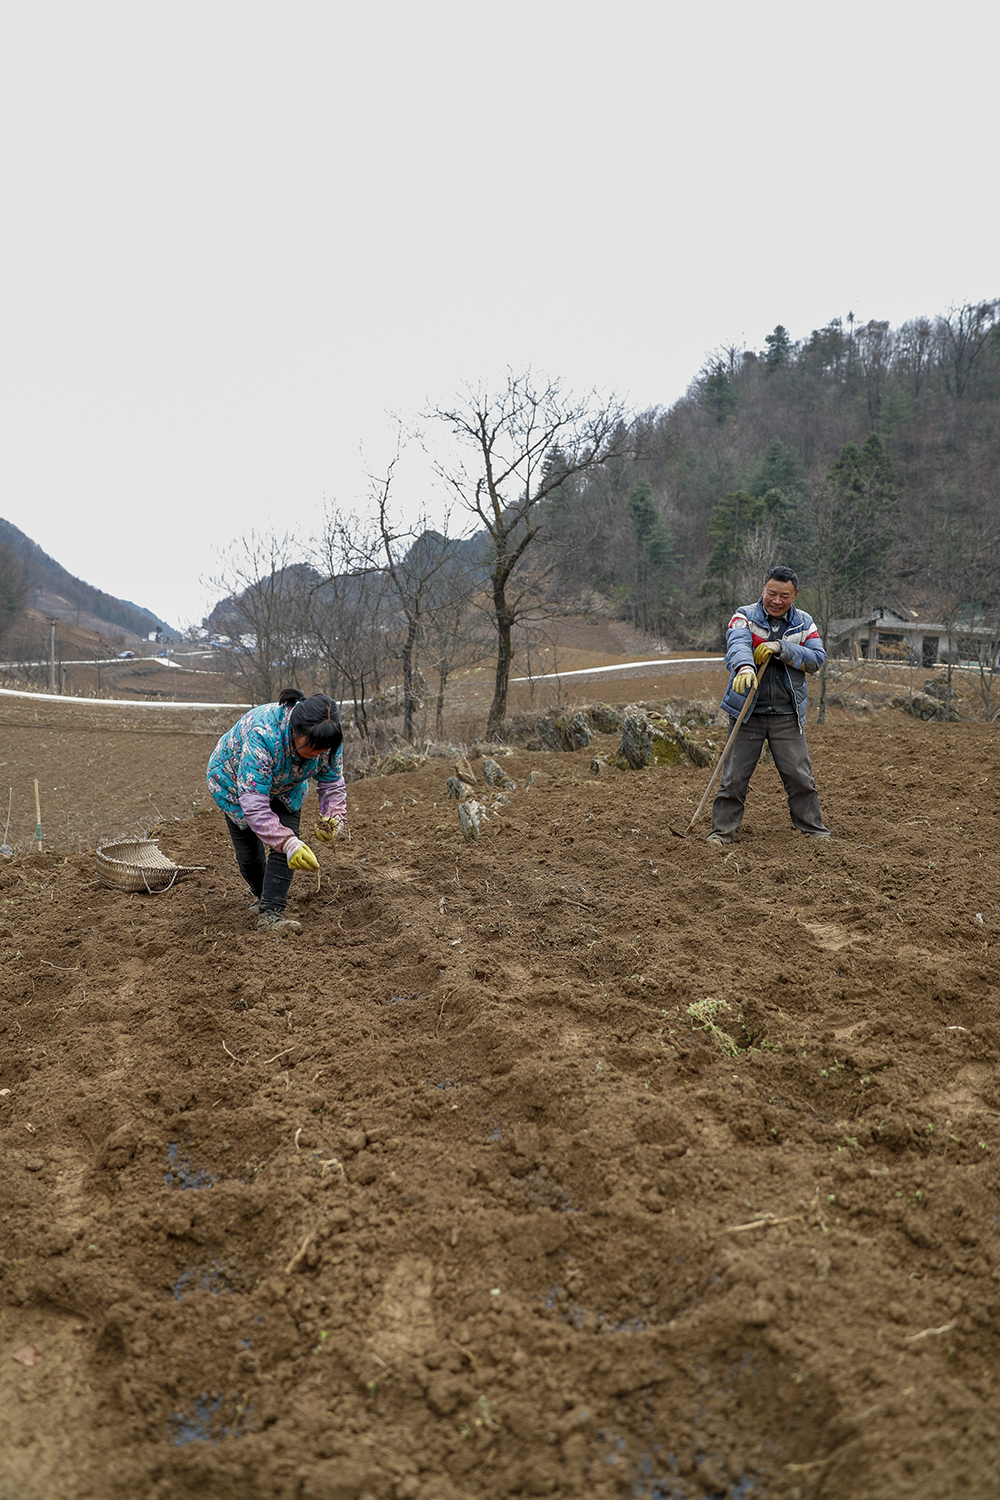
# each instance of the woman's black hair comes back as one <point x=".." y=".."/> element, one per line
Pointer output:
<point x="288" y="696"/>
<point x="318" y="719"/>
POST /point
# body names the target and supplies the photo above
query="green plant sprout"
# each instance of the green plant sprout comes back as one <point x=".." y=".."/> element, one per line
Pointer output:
<point x="485" y="1418"/>
<point x="705" y="1011"/>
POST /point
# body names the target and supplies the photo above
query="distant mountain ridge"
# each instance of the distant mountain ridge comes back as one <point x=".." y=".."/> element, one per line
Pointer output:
<point x="45" y="574"/>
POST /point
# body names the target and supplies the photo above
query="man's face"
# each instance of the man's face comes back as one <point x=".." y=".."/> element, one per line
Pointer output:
<point x="778" y="597"/>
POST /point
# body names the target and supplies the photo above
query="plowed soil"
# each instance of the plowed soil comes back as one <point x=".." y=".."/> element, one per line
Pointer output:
<point x="453" y="1194"/>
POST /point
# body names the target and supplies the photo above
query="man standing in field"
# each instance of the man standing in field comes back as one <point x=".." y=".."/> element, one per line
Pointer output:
<point x="775" y="632"/>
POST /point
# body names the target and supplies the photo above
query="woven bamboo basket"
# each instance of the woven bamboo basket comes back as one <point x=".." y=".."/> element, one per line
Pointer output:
<point x="139" y="865"/>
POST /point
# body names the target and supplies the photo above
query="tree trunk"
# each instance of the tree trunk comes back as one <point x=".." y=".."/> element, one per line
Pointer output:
<point x="439" y="706"/>
<point x="360" y="712"/>
<point x="411" y="636"/>
<point x="505" y="655"/>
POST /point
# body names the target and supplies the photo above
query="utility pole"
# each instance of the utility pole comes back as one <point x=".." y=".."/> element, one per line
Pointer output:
<point x="52" y="656"/>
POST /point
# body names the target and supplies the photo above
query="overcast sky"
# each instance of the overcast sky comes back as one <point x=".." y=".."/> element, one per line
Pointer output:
<point x="237" y="236"/>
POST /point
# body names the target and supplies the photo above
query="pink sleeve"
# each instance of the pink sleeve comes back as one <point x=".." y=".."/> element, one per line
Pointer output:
<point x="256" y="808"/>
<point x="333" y="800"/>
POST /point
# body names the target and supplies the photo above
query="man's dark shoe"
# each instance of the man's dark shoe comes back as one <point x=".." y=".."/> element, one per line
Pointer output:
<point x="720" y="838"/>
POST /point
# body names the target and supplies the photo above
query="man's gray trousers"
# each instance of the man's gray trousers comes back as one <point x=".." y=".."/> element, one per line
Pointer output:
<point x="791" y="757"/>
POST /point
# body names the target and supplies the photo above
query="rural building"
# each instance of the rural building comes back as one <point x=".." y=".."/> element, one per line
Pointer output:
<point x="886" y="635"/>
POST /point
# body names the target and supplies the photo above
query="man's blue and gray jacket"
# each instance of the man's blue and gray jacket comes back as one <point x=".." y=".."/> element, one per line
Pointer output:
<point x="801" y="652"/>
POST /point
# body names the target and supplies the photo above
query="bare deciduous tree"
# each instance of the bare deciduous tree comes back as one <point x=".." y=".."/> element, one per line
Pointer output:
<point x="506" y="483"/>
<point x="420" y="568"/>
<point x="758" y="555"/>
<point x="455" y="630"/>
<point x="914" y="353"/>
<point x="964" y="571"/>
<point x="987" y="663"/>
<point x="874" y="346"/>
<point x="262" y="584"/>
<point x="963" y="335"/>
<point x="350" y="612"/>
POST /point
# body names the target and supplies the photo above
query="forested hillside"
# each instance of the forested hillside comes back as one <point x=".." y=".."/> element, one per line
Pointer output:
<point x="863" y="455"/>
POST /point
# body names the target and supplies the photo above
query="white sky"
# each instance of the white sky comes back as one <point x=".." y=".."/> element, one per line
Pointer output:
<point x="237" y="235"/>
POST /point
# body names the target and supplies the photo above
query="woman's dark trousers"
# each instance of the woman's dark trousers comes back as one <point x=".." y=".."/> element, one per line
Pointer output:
<point x="265" y="870"/>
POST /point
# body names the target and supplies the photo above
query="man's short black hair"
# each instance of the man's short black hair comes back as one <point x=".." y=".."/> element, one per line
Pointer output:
<point x="784" y="575"/>
<point x="318" y="719"/>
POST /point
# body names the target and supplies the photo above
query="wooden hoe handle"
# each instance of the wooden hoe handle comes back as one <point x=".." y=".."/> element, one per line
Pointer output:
<point x="729" y="744"/>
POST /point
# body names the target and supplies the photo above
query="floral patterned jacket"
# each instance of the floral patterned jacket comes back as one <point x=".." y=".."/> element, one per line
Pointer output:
<point x="255" y="762"/>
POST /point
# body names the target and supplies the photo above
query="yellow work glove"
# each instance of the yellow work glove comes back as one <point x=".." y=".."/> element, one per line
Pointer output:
<point x="303" y="859"/>
<point x="326" y="829"/>
<point x="745" y="680"/>
<point x="764" y="650"/>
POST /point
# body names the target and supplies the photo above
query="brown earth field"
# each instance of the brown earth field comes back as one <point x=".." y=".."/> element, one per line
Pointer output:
<point x="452" y="1194"/>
